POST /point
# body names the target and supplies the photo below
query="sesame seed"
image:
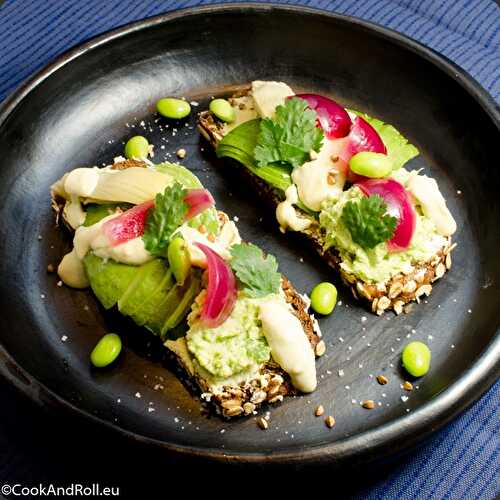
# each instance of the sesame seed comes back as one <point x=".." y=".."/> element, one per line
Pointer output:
<point x="64" y="338"/>
<point x="138" y="395"/>
<point x="404" y="399"/>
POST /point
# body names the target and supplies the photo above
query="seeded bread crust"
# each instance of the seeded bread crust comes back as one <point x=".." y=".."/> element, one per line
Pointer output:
<point x="271" y="385"/>
<point x="395" y="294"/>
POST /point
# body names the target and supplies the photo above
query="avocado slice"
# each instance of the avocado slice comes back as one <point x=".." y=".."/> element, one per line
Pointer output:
<point x="167" y="306"/>
<point x="96" y="212"/>
<point x="144" y="285"/>
<point x="152" y="306"/>
<point x="182" y="309"/>
<point x="108" y="279"/>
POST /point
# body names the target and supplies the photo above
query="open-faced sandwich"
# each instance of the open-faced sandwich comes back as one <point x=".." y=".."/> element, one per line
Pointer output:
<point x="337" y="177"/>
<point x="150" y="243"/>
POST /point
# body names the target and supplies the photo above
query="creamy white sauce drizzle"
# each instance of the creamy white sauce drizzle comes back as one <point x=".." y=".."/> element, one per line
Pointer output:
<point x="71" y="270"/>
<point x="287" y="215"/>
<point x="429" y="197"/>
<point x="289" y="345"/>
<point x="228" y="236"/>
<point x="268" y="95"/>
<point x="321" y="178"/>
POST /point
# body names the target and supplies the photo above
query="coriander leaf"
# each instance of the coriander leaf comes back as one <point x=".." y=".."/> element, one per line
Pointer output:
<point x="289" y="136"/>
<point x="162" y="220"/>
<point x="368" y="221"/>
<point x="258" y="274"/>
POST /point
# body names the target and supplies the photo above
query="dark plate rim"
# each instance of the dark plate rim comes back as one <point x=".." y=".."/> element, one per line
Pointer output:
<point x="395" y="437"/>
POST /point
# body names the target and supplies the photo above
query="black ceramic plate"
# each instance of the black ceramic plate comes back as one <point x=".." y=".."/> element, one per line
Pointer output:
<point x="81" y="109"/>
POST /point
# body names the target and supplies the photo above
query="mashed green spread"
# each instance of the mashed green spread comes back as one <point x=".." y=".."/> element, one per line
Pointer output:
<point x="238" y="346"/>
<point x="378" y="264"/>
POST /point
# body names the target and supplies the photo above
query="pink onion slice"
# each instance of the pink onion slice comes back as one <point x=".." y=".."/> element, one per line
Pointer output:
<point x="332" y="117"/>
<point x="198" y="201"/>
<point x="399" y="205"/>
<point x="131" y="223"/>
<point x="128" y="225"/>
<point x="363" y="137"/>
<point x="221" y="290"/>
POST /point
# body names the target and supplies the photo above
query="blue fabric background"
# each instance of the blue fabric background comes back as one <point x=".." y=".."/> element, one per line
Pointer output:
<point x="462" y="460"/>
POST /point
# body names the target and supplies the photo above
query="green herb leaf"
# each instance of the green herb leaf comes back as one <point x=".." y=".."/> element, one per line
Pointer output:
<point x="166" y="216"/>
<point x="368" y="221"/>
<point x="289" y="136"/>
<point x="258" y="274"/>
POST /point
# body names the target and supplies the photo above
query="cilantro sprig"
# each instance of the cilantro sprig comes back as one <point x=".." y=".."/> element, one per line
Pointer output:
<point x="289" y="136"/>
<point x="258" y="274"/>
<point x="368" y="221"/>
<point x="164" y="218"/>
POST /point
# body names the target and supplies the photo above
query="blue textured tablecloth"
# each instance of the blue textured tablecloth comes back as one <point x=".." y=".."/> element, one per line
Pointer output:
<point x="462" y="460"/>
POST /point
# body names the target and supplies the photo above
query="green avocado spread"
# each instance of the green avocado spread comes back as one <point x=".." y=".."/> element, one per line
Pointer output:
<point x="233" y="349"/>
<point x="378" y="264"/>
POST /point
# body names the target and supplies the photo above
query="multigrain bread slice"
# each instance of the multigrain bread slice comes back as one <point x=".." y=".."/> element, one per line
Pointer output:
<point x="394" y="294"/>
<point x="271" y="385"/>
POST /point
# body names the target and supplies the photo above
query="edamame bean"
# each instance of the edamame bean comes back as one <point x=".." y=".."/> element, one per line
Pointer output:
<point x="223" y="110"/>
<point x="106" y="350"/>
<point x="324" y="298"/>
<point x="178" y="259"/>
<point x="169" y="107"/>
<point x="369" y="164"/>
<point x="416" y="358"/>
<point x="137" y="147"/>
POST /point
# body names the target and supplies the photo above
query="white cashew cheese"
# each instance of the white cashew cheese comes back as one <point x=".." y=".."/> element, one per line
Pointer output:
<point x="289" y="345"/>
<point x="268" y="95"/>
<point x="287" y="215"/>
<point x="426" y="192"/>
